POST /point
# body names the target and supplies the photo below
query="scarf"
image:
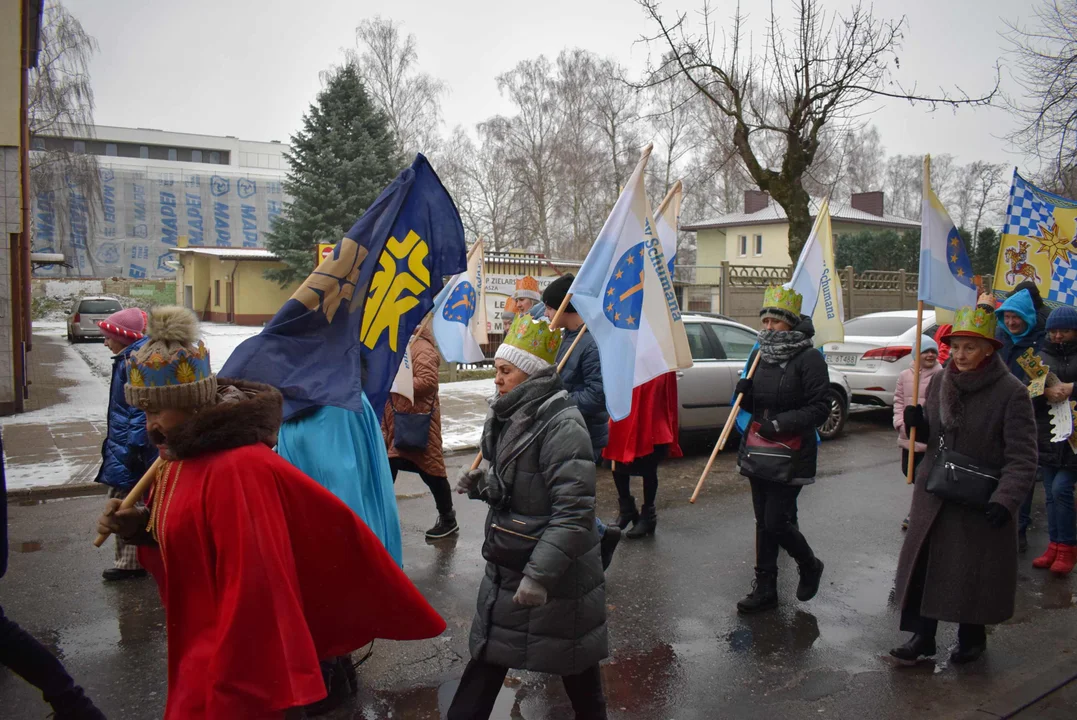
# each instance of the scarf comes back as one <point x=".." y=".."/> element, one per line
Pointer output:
<point x="957" y="385"/>
<point x="781" y="346"/>
<point x="513" y="418"/>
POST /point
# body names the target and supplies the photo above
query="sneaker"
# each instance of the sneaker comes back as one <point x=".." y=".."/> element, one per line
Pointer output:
<point x="116" y="574"/>
<point x="444" y="527"/>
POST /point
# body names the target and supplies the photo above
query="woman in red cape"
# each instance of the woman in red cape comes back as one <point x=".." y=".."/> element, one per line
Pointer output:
<point x="638" y="444"/>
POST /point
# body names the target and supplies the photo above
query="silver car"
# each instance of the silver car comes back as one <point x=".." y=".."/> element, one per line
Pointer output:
<point x="720" y="347"/>
<point x="877" y="348"/>
<point x="85" y="312"/>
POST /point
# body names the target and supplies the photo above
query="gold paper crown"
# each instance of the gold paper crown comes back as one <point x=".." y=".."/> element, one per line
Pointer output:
<point x="782" y="298"/>
<point x="534" y="337"/>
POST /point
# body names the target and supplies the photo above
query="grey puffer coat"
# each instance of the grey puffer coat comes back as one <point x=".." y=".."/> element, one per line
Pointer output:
<point x="542" y="468"/>
<point x="971" y="566"/>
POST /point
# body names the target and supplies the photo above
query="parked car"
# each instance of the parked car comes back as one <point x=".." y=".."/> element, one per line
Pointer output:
<point x="85" y="312"/>
<point x="720" y="347"/>
<point x="877" y="348"/>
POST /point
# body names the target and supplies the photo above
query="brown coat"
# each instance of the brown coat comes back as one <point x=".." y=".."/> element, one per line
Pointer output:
<point x="424" y="363"/>
<point x="971" y="567"/>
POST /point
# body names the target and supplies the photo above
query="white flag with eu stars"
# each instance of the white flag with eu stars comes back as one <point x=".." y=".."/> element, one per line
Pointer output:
<point x="625" y="295"/>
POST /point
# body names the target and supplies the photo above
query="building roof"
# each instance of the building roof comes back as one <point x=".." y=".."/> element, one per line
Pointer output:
<point x="228" y="253"/>
<point x="773" y="214"/>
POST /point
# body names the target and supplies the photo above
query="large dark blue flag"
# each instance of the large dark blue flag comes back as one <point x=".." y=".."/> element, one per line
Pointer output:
<point x="357" y="310"/>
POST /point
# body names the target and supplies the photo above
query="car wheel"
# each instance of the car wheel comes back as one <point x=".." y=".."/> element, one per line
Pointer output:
<point x="839" y="412"/>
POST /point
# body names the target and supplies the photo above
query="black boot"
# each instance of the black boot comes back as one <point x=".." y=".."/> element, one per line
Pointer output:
<point x="336" y="685"/>
<point x="608" y="544"/>
<point x="648" y="521"/>
<point x="628" y="513"/>
<point x="971" y="644"/>
<point x="810" y="575"/>
<point x="764" y="594"/>
<point x="919" y="646"/>
<point x="444" y="527"/>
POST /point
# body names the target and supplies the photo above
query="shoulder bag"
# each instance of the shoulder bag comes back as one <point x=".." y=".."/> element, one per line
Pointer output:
<point x="511" y="539"/>
<point x="960" y="479"/>
<point x="411" y="431"/>
<point x="773" y="459"/>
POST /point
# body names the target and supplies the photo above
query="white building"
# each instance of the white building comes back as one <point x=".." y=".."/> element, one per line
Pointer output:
<point x="156" y="187"/>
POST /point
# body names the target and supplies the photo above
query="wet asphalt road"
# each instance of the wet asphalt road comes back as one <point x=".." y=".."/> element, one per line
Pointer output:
<point x="679" y="650"/>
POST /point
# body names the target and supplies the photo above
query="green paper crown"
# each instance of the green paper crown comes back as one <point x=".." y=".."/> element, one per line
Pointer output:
<point x="535" y="337"/>
<point x="977" y="320"/>
<point x="782" y="298"/>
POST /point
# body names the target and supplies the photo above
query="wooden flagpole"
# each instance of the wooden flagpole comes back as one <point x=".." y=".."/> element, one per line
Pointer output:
<point x="911" y="432"/>
<point x="135" y="495"/>
<point x="726" y="432"/>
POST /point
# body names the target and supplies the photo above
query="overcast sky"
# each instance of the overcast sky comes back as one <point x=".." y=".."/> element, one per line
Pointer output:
<point x="250" y="68"/>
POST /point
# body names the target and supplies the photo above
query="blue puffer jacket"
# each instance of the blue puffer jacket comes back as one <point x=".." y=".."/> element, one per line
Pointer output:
<point x="582" y="378"/>
<point x="127" y="452"/>
<point x="1013" y="346"/>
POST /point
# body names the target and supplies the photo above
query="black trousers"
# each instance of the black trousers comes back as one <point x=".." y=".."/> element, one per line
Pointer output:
<point x="26" y="657"/>
<point x="776" y="525"/>
<point x="481" y="682"/>
<point x="911" y="619"/>
<point x="439" y="486"/>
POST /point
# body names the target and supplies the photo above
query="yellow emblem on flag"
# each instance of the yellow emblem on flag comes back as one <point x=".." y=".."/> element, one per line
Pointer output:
<point x="395" y="289"/>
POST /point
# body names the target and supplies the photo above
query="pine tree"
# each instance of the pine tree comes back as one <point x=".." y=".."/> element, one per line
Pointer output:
<point x="340" y="161"/>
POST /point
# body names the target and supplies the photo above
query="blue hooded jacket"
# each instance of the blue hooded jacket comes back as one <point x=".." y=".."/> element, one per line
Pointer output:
<point x="1013" y="346"/>
<point x="127" y="452"/>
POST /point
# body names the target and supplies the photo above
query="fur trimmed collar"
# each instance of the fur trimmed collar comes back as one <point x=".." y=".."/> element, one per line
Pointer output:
<point x="245" y="413"/>
<point x="956" y="385"/>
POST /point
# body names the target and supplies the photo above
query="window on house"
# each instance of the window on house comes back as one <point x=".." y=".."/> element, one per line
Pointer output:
<point x="144" y="152"/>
<point x="758" y="246"/>
<point x="172" y="154"/>
<point x="742" y="245"/>
<point x="217" y="293"/>
<point x="196" y="156"/>
<point x="80" y="147"/>
<point x="110" y="149"/>
<point x="215" y="157"/>
<point x="38" y="144"/>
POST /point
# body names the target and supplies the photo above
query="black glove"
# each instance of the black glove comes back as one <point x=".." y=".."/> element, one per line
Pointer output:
<point x="913" y="417"/>
<point x="767" y="429"/>
<point x="997" y="515"/>
<point x="744" y="387"/>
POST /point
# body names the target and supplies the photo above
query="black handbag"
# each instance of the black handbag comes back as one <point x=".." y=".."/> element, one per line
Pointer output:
<point x="960" y="479"/>
<point x="511" y="539"/>
<point x="764" y="459"/>
<point x="411" y="431"/>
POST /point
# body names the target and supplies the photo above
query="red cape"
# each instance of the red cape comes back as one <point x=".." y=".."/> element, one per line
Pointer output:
<point x="262" y="571"/>
<point x="653" y="421"/>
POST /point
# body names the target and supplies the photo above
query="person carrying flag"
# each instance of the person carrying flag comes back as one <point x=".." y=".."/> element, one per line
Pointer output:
<point x="253" y="596"/>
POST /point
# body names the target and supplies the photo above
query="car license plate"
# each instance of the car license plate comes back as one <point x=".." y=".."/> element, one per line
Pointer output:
<point x="842" y="358"/>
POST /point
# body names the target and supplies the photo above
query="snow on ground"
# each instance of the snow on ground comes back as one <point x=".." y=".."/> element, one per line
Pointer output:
<point x="463" y="410"/>
<point x="223" y="339"/>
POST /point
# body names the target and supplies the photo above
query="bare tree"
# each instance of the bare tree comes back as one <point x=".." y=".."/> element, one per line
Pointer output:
<point x="671" y="110"/>
<point x="864" y="160"/>
<point x="1046" y="55"/>
<point x="616" y="106"/>
<point x="388" y="63"/>
<point x="980" y="195"/>
<point x="481" y="183"/>
<point x="819" y="72"/>
<point x="61" y="104"/>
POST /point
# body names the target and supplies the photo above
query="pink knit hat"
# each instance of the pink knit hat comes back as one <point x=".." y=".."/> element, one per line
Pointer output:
<point x="126" y="326"/>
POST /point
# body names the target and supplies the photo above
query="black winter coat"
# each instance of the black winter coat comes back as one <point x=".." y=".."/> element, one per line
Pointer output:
<point x="794" y="396"/>
<point x="582" y="378"/>
<point x="1062" y="360"/>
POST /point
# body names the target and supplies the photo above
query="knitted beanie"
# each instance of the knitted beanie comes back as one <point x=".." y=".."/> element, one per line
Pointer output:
<point x="928" y="345"/>
<point x="172" y="370"/>
<point x="125" y="326"/>
<point x="1063" y="318"/>
<point x="555" y="292"/>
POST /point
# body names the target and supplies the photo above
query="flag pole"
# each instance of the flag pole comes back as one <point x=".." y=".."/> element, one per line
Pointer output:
<point x="911" y="432"/>
<point x="135" y="495"/>
<point x="560" y="366"/>
<point x="726" y="432"/>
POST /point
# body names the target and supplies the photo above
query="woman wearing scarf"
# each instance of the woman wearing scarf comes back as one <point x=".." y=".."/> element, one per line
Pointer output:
<point x="787" y="399"/>
<point x="542" y="602"/>
<point x="959" y="560"/>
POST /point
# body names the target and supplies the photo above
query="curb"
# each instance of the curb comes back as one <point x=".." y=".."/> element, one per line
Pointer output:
<point x="56" y="492"/>
<point x="1008" y="703"/>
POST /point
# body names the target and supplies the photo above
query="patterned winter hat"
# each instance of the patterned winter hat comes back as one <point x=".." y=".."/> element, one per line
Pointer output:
<point x="125" y="326"/>
<point x="974" y="322"/>
<point x="527" y="288"/>
<point x="781" y="303"/>
<point x="172" y="370"/>
<point x="530" y="344"/>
